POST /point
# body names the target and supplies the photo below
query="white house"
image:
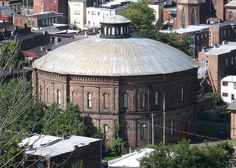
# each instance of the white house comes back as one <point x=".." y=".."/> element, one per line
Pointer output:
<point x="77" y="12"/>
<point x="228" y="88"/>
<point x="131" y="160"/>
<point x="96" y="14"/>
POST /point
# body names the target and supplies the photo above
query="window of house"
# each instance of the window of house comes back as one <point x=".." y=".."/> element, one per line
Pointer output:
<point x="210" y="34"/>
<point x="232" y="96"/>
<point x="182" y="94"/>
<point x="105" y="30"/>
<point x="172" y="127"/>
<point x="113" y="31"/>
<point x="105" y="131"/>
<point x="58" y="97"/>
<point x="225" y="83"/>
<point x="206" y="63"/>
<point x="225" y="94"/>
<point x="142" y="131"/>
<point x="121" y="30"/>
<point x="125" y="100"/>
<point x="156" y="98"/>
<point x="234" y="85"/>
<point x="98" y="13"/>
<point x="89" y="100"/>
<point x="232" y="60"/>
<point x="230" y="15"/>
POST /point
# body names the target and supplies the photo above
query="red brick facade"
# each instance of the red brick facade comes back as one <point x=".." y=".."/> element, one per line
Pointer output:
<point x="127" y="100"/>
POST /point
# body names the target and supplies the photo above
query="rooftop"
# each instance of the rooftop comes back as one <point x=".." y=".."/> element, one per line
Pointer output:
<point x="49" y="146"/>
<point x="231" y="4"/>
<point x="221" y="49"/>
<point x="94" y="56"/>
<point x="131" y="160"/>
<point x="230" y="78"/>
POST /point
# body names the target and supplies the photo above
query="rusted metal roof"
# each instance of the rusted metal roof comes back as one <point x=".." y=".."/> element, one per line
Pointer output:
<point x="96" y="56"/>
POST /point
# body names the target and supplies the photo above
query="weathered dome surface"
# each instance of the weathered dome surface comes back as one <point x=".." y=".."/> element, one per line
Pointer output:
<point x="190" y="1"/>
<point x="115" y="57"/>
<point x="115" y="19"/>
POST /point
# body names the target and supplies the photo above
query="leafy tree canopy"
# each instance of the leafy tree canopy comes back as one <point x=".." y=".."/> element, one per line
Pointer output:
<point x="140" y="14"/>
<point x="11" y="56"/>
<point x="183" y="155"/>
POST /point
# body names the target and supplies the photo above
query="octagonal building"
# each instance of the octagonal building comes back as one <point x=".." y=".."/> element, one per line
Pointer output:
<point x="142" y="84"/>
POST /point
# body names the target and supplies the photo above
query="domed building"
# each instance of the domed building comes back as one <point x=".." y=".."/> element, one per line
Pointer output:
<point x="142" y="84"/>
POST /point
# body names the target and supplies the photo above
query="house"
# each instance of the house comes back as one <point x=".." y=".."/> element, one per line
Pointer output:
<point x="228" y="88"/>
<point x="232" y="108"/>
<point x="46" y="151"/>
<point x="131" y="160"/>
<point x="219" y="61"/>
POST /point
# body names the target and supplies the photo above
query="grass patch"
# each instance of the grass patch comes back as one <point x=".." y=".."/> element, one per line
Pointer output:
<point x="109" y="156"/>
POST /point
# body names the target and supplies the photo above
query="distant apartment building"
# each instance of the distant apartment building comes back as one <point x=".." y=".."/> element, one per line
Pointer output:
<point x="219" y="61"/>
<point x="77" y="12"/>
<point x="59" y="6"/>
<point x="228" y="88"/>
<point x="44" y="19"/>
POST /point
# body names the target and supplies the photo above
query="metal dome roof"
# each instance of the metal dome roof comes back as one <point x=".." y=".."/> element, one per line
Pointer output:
<point x="190" y="1"/>
<point x="115" y="57"/>
<point x="115" y="19"/>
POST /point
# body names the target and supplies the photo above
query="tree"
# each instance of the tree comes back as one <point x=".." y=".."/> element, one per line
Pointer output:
<point x="183" y="155"/>
<point x="11" y="56"/>
<point x="64" y="123"/>
<point x="118" y="144"/>
<point x="141" y="16"/>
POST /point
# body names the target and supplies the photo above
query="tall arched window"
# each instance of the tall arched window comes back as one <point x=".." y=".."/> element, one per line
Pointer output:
<point x="156" y="98"/>
<point x="58" y="97"/>
<point x="183" y="19"/>
<point x="105" y="131"/>
<point x="89" y="100"/>
<point x="105" y="100"/>
<point x="230" y="15"/>
<point x="47" y="92"/>
<point x="193" y="17"/>
<point x="125" y="100"/>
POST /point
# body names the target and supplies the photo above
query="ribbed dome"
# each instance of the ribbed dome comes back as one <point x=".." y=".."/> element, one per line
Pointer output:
<point x="190" y="1"/>
<point x="115" y="57"/>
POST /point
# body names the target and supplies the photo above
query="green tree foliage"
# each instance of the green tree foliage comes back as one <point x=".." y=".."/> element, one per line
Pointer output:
<point x="65" y="123"/>
<point x="10" y="154"/>
<point x="141" y="16"/>
<point x="19" y="111"/>
<point x="182" y="155"/>
<point x="118" y="144"/>
<point x="216" y="99"/>
<point x="11" y="56"/>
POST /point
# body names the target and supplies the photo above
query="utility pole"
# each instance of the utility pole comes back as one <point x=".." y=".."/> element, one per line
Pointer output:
<point x="152" y="128"/>
<point x="164" y="118"/>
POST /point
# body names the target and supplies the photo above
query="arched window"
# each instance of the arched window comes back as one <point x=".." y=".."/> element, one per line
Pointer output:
<point x="125" y="100"/>
<point x="40" y="92"/>
<point x="183" y="19"/>
<point x="182" y="94"/>
<point x="47" y="92"/>
<point x="105" y="100"/>
<point x="142" y="131"/>
<point x="58" y="97"/>
<point x="73" y="97"/>
<point x="193" y="17"/>
<point x="230" y="15"/>
<point x="121" y="30"/>
<point x="89" y="100"/>
<point x="105" y="131"/>
<point x="156" y="98"/>
<point x="105" y="30"/>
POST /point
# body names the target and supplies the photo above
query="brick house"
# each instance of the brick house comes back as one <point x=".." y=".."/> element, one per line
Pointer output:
<point x="45" y="19"/>
<point x="232" y="108"/>
<point x="220" y="61"/>
<point x="47" y="151"/>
